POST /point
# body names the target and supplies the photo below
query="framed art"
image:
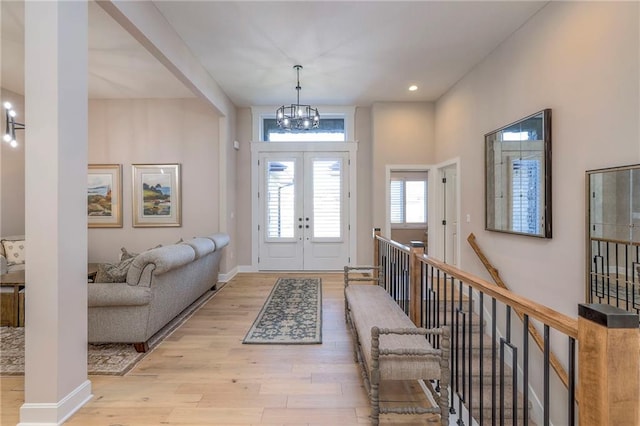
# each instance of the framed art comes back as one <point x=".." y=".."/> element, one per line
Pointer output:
<point x="104" y="196"/>
<point x="156" y="195"/>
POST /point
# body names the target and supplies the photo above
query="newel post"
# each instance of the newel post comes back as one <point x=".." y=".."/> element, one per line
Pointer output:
<point x="376" y="252"/>
<point x="608" y="381"/>
<point x="417" y="250"/>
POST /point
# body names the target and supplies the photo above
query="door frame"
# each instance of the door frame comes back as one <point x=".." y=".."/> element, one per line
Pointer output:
<point x="389" y="168"/>
<point x="434" y="203"/>
<point x="257" y="148"/>
<point x="436" y="219"/>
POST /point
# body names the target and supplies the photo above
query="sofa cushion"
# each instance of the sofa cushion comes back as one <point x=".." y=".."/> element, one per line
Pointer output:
<point x="14" y="251"/>
<point x="114" y="273"/>
<point x="220" y="240"/>
<point x="201" y="246"/>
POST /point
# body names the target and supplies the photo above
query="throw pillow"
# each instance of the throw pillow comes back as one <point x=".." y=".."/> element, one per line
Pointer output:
<point x="113" y="273"/>
<point x="125" y="254"/>
<point x="14" y="251"/>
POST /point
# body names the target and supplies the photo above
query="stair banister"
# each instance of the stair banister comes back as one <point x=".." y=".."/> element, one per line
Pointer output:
<point x="608" y="340"/>
<point x="495" y="275"/>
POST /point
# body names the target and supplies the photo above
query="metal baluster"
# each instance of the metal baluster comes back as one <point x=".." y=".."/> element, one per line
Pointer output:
<point x="572" y="381"/>
<point x="481" y="366"/>
<point x="525" y="368"/>
<point x="470" y="352"/>
<point x="494" y="334"/>
<point x="546" y="404"/>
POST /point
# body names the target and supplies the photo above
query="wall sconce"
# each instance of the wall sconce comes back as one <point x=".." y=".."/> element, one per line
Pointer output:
<point x="11" y="125"/>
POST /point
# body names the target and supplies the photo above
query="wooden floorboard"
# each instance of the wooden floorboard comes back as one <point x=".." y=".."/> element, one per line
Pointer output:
<point x="203" y="375"/>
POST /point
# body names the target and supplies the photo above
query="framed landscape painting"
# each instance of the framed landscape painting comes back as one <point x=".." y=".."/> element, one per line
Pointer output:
<point x="156" y="195"/>
<point x="104" y="196"/>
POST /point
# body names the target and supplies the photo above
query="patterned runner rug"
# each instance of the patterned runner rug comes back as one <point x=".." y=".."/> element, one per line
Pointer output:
<point x="114" y="359"/>
<point x="292" y="314"/>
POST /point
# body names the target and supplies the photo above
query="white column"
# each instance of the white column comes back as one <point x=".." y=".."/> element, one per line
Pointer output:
<point x="56" y="102"/>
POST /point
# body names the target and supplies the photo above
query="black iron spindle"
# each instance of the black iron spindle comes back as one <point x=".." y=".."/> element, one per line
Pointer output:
<point x="572" y="381"/>
<point x="546" y="351"/>
<point x="525" y="368"/>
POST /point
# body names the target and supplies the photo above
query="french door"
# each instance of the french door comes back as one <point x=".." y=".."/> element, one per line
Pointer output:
<point x="303" y="204"/>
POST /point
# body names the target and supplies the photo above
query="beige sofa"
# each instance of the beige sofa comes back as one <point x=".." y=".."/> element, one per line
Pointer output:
<point x="160" y="283"/>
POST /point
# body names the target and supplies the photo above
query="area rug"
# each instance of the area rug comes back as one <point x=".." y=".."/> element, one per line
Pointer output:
<point x="114" y="359"/>
<point x="292" y="314"/>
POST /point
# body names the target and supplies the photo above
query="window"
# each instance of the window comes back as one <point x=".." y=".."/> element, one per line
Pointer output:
<point x="327" y="192"/>
<point x="280" y="199"/>
<point x="330" y="130"/>
<point x="408" y="199"/>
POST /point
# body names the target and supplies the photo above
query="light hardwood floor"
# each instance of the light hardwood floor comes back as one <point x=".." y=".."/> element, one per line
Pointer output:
<point x="203" y="375"/>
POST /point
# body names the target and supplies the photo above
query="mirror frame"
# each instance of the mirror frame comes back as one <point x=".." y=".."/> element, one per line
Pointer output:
<point x="490" y="176"/>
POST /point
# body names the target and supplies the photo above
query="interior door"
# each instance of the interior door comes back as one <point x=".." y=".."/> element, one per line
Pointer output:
<point x="303" y="204"/>
<point x="450" y="215"/>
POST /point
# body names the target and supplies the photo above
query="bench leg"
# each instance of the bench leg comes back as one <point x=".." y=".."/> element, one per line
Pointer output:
<point x="375" y="404"/>
<point x="375" y="376"/>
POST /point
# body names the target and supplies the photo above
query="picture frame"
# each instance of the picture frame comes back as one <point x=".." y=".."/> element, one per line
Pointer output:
<point x="104" y="196"/>
<point x="156" y="195"/>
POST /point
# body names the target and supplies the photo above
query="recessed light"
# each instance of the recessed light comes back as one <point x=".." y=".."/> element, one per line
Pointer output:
<point x="413" y="88"/>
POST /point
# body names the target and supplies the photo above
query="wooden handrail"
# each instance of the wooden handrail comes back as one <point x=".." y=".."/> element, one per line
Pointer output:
<point x="608" y="240"/>
<point x="553" y="359"/>
<point x="551" y="317"/>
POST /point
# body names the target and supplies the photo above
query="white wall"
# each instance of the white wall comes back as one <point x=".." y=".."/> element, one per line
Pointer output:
<point x="184" y="131"/>
<point x="402" y="133"/>
<point x="364" y="220"/>
<point x="581" y="59"/>
<point x="243" y="178"/>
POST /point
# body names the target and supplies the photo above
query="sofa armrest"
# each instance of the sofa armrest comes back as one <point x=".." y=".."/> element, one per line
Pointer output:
<point x="3" y="264"/>
<point x="117" y="294"/>
<point x="158" y="261"/>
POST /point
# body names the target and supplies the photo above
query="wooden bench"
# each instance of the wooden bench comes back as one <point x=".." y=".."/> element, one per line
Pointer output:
<point x="390" y="347"/>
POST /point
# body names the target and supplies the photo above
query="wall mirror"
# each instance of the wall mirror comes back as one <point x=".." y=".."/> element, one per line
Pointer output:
<point x="613" y="237"/>
<point x="518" y="177"/>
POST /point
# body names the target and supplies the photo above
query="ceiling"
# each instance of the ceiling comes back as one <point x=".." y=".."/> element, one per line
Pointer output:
<point x="353" y="52"/>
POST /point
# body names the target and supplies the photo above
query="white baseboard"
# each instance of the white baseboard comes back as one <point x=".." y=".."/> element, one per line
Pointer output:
<point x="226" y="277"/>
<point x="247" y="268"/>
<point x="55" y="413"/>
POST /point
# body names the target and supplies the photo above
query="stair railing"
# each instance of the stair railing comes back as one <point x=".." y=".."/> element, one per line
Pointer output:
<point x="614" y="273"/>
<point x="535" y="334"/>
<point x="435" y="294"/>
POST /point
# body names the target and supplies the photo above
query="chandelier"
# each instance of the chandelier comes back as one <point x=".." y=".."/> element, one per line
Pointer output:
<point x="11" y="125"/>
<point x="297" y="116"/>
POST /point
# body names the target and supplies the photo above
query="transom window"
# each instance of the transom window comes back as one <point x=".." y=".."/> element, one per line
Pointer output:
<point x="329" y="130"/>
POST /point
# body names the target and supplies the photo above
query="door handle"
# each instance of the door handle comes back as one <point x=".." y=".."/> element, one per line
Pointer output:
<point x="299" y="226"/>
<point x="306" y="226"/>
